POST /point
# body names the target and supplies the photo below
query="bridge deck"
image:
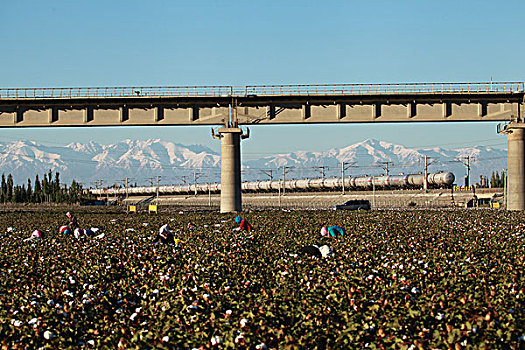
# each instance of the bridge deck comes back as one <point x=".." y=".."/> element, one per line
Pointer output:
<point x="264" y="104"/>
<point x="263" y="90"/>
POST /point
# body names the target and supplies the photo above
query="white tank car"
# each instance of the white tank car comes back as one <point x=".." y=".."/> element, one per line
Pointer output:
<point x="363" y="182"/>
<point x="441" y="179"/>
<point x="333" y="183"/>
<point x="303" y="184"/>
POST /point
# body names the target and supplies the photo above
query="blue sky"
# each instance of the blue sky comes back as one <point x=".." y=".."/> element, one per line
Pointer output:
<point x="170" y="43"/>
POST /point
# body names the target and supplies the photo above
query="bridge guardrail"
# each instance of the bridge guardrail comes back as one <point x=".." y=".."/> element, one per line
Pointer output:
<point x="261" y="90"/>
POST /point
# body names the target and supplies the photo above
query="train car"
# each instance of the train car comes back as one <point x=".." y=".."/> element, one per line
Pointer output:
<point x="303" y="184"/>
<point x="397" y="181"/>
<point x="363" y="182"/>
<point x="416" y="180"/>
<point x="316" y="184"/>
<point x="441" y="179"/>
<point x="380" y="181"/>
<point x="264" y="185"/>
<point x="332" y="183"/>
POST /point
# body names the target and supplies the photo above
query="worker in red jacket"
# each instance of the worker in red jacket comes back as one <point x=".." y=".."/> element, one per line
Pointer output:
<point x="243" y="224"/>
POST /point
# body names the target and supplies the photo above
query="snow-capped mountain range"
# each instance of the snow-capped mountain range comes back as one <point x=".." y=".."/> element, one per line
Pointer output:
<point x="141" y="161"/>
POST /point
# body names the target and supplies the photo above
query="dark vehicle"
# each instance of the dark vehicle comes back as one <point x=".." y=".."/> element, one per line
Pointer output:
<point x="353" y="204"/>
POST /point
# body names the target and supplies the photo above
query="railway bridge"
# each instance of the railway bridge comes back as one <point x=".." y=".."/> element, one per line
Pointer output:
<point x="232" y="107"/>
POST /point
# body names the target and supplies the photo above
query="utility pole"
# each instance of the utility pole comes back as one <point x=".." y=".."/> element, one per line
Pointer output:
<point x="282" y="185"/>
<point x="343" y="168"/>
<point x="195" y="174"/>
<point x="322" y="170"/>
<point x="374" y="192"/>
<point x="386" y="166"/>
<point x="425" y="172"/>
<point x="505" y="189"/>
<point x="466" y="163"/>
<point x="125" y="181"/>
<point x="284" y="178"/>
<point x="425" y="179"/>
<point x="158" y="181"/>
<point x="209" y="195"/>
<point x="268" y="172"/>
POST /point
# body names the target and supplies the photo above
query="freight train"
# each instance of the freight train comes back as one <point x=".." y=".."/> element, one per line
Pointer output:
<point x="434" y="180"/>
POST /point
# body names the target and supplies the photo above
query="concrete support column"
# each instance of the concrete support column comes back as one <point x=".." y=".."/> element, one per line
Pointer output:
<point x="230" y="169"/>
<point x="516" y="169"/>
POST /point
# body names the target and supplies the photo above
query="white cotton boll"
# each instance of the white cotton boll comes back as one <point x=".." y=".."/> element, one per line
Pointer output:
<point x="243" y="322"/>
<point x="215" y="340"/>
<point x="165" y="339"/>
<point x="50" y="302"/>
<point x="132" y="317"/>
<point x="91" y="342"/>
<point x="48" y="335"/>
<point x="16" y="323"/>
<point x="228" y="312"/>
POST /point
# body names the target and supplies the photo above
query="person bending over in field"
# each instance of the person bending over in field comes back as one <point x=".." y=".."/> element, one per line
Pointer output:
<point x="323" y="251"/>
<point x="165" y="235"/>
<point x="243" y="224"/>
<point x="35" y="235"/>
<point x="332" y="231"/>
<point x="73" y="223"/>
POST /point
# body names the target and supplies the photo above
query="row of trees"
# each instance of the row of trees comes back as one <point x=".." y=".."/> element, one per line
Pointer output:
<point x="49" y="189"/>
<point x="496" y="180"/>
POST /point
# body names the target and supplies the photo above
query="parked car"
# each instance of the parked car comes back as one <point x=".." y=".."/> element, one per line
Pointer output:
<point x="353" y="204"/>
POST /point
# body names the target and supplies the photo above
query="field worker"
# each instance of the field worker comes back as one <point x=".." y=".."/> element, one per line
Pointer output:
<point x="332" y="231"/>
<point x="89" y="232"/>
<point x="65" y="230"/>
<point x="78" y="233"/>
<point x="243" y="224"/>
<point x="323" y="251"/>
<point x="35" y="235"/>
<point x="72" y="220"/>
<point x="165" y="235"/>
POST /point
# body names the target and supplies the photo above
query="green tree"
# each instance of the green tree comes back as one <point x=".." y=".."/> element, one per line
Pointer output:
<point x="45" y="189"/>
<point x="17" y="194"/>
<point x="9" y="196"/>
<point x="29" y="192"/>
<point x="3" y="193"/>
<point x="37" y="193"/>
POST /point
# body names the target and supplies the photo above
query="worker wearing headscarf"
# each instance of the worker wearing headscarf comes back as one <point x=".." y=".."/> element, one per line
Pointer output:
<point x="73" y="224"/>
<point x="332" y="231"/>
<point x="243" y="224"/>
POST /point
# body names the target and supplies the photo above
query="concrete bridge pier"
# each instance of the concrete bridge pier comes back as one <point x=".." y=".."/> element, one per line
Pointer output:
<point x="231" y="200"/>
<point x="515" y="195"/>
